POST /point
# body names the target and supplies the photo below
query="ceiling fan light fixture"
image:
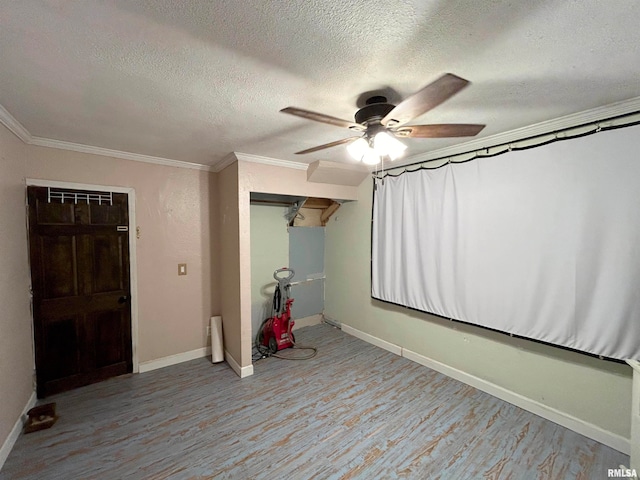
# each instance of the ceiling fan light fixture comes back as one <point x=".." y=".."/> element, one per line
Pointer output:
<point x="386" y="144"/>
<point x="358" y="148"/>
<point x="370" y="157"/>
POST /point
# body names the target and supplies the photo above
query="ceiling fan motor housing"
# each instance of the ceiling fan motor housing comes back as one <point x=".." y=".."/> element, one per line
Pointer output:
<point x="374" y="111"/>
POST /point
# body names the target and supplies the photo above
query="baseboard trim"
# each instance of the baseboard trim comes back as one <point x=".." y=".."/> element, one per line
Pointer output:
<point x="174" y="359"/>
<point x="566" y="420"/>
<point x="378" y="342"/>
<point x="556" y="416"/>
<point x="10" y="441"/>
<point x="307" y="321"/>
<point x="242" y="372"/>
<point x="331" y="321"/>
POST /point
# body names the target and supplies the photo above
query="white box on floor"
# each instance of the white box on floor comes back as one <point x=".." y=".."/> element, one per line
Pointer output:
<point x="217" y="348"/>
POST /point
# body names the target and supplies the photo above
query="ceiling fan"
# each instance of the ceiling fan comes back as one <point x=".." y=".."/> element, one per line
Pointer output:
<point x="381" y="123"/>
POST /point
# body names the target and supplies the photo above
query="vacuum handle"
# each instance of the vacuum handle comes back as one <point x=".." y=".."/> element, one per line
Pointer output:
<point x="281" y="270"/>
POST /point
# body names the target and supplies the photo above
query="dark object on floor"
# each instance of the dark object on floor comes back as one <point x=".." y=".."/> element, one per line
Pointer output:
<point x="41" y="417"/>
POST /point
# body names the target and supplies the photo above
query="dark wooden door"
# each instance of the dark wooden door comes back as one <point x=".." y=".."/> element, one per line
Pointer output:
<point x="79" y="250"/>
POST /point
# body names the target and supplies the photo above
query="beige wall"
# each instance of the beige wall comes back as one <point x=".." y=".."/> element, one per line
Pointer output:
<point x="230" y="262"/>
<point x="592" y="390"/>
<point x="16" y="354"/>
<point x="262" y="178"/>
<point x="177" y="212"/>
<point x="173" y="212"/>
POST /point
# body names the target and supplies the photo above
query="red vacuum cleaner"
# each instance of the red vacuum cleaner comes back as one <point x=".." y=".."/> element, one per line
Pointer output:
<point x="275" y="333"/>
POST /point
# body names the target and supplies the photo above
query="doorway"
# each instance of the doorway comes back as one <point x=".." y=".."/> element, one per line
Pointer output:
<point x="79" y="247"/>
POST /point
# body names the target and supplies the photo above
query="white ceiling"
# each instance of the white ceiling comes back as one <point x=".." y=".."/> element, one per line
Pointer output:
<point x="194" y="80"/>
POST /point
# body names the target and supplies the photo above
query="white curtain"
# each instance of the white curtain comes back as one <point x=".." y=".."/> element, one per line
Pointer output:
<point x="542" y="243"/>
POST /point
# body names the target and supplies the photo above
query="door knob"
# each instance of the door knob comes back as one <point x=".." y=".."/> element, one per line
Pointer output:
<point x="123" y="299"/>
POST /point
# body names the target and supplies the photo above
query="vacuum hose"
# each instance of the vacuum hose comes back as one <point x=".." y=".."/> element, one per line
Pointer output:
<point x="299" y="347"/>
<point x="264" y="351"/>
<point x="277" y="300"/>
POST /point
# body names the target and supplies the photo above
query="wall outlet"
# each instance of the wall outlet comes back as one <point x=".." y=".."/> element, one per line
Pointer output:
<point x="182" y="269"/>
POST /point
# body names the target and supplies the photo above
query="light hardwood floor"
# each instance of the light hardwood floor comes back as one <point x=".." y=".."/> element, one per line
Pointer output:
<point x="354" y="411"/>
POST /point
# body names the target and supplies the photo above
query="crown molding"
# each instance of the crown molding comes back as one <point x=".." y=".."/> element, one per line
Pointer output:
<point x="625" y="107"/>
<point x="107" y="152"/>
<point x="14" y="125"/>
<point x="617" y="109"/>
<point x="23" y="134"/>
<point x="250" y="157"/>
<point x="224" y="163"/>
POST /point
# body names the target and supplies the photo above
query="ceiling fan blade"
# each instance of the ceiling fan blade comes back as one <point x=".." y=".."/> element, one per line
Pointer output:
<point x="320" y="117"/>
<point x="441" y="130"/>
<point x="328" y="145"/>
<point x="424" y="100"/>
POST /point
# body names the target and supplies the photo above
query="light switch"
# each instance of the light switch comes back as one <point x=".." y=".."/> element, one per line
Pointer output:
<point x="182" y="269"/>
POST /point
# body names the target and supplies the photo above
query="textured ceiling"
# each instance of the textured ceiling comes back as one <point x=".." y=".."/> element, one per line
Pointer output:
<point x="194" y="80"/>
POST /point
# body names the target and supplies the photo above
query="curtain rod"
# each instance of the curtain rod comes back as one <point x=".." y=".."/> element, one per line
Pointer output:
<point x="511" y="146"/>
